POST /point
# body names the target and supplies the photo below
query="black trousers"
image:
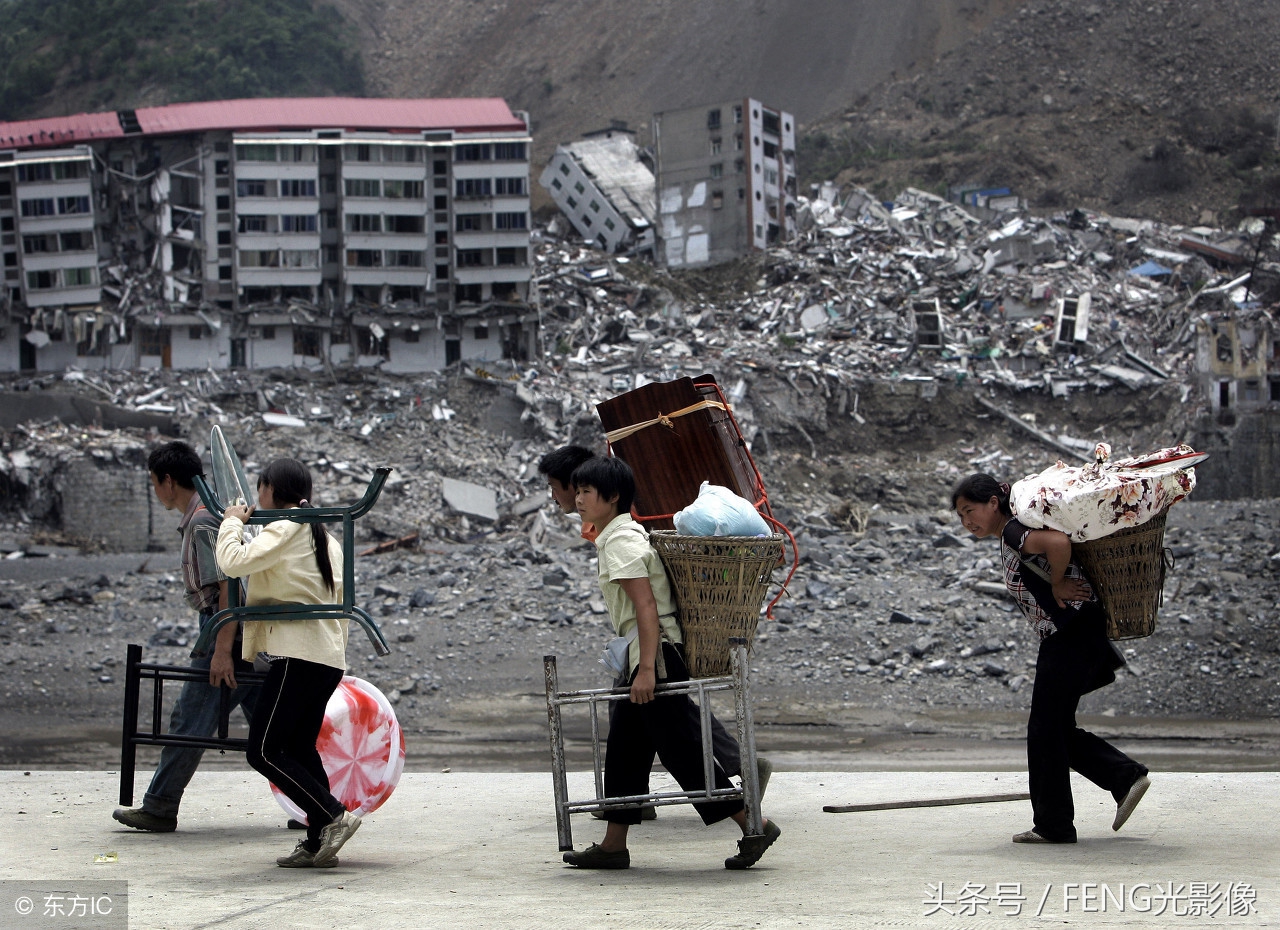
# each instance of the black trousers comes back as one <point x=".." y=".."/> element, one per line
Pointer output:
<point x="1072" y="662"/>
<point x="724" y="747"/>
<point x="283" y="732"/>
<point x="667" y="727"/>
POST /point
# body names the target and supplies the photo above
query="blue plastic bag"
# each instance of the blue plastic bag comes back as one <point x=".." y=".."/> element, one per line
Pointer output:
<point x="717" y="511"/>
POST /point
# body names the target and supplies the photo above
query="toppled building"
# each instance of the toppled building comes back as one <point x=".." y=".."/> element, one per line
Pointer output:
<point x="256" y="233"/>
<point x="606" y="189"/>
<point x="726" y="177"/>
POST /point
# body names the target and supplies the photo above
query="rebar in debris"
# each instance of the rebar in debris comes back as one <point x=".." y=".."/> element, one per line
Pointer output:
<point x="924" y="802"/>
<point x="1038" y="434"/>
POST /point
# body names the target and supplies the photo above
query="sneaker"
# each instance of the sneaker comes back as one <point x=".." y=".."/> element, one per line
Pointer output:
<point x="296" y="824"/>
<point x="334" y="835"/>
<point x="141" y="819"/>
<point x="751" y="848"/>
<point x="303" y="858"/>
<point x="593" y="857"/>
<point x="1131" y="799"/>
<point x="1031" y="836"/>
<point x="764" y="770"/>
<point x="646" y="813"/>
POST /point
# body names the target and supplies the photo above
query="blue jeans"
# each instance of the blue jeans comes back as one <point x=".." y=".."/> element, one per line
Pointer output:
<point x="194" y="714"/>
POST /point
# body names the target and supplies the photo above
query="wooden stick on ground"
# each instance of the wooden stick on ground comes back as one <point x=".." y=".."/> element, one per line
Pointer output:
<point x="926" y="802"/>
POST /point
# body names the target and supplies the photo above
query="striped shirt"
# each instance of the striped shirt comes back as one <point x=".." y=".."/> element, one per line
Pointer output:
<point x="1034" y="593"/>
<point x="200" y="573"/>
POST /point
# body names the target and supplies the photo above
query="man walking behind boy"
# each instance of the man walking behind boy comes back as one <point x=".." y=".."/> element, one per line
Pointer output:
<point x="558" y="467"/>
<point x="173" y="467"/>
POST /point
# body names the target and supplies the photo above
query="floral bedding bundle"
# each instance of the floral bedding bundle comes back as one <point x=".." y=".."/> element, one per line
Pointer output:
<point x="1092" y="501"/>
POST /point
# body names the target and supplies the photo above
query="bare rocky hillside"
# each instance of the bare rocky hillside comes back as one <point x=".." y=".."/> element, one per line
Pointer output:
<point x="579" y="64"/>
<point x="1161" y="109"/>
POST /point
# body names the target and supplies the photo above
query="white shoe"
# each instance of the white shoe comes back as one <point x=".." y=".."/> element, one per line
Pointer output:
<point x="334" y="835"/>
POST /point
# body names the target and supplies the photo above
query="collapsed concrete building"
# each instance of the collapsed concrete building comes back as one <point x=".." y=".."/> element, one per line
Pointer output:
<point x="260" y="233"/>
<point x="605" y="187"/>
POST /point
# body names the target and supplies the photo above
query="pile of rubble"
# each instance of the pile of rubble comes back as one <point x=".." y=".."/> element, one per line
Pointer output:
<point x="923" y="289"/>
<point x="922" y="292"/>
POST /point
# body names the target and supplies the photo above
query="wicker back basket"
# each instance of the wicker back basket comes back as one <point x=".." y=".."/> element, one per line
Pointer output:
<point x="1127" y="570"/>
<point x="719" y="583"/>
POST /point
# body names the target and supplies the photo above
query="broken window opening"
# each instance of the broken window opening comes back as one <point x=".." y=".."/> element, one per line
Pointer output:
<point x="362" y="187"/>
<point x="405" y="259"/>
<point x="306" y="341"/>
<point x="364" y="258"/>
<point x="403" y="190"/>
<point x="255" y="153"/>
<point x="364" y="222"/>
<point x="297" y="187"/>
<point x="472" y="152"/>
<point x="473" y="187"/>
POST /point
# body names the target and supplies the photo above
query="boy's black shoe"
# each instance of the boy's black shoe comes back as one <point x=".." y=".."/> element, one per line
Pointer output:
<point x="751" y="848"/>
<point x="593" y="857"/>
<point x="1031" y="836"/>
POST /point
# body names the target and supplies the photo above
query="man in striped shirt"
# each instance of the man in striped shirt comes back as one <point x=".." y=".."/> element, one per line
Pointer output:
<point x="173" y="468"/>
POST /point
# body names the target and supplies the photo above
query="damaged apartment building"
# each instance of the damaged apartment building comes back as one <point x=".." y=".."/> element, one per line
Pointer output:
<point x="719" y="182"/>
<point x="726" y="177"/>
<point x="264" y="233"/>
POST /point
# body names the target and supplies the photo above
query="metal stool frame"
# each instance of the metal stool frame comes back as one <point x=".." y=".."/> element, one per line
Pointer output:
<point x="738" y="682"/>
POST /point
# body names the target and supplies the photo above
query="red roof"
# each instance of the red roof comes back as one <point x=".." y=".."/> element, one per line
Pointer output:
<point x="59" y="131"/>
<point x="273" y="114"/>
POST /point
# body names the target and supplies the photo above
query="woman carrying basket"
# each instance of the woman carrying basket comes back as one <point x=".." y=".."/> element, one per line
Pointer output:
<point x="1075" y="658"/>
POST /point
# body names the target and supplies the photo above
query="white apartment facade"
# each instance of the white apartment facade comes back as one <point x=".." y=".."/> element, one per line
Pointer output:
<point x="262" y="233"/>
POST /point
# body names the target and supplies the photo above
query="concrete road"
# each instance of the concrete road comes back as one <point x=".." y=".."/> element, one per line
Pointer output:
<point x="479" y="850"/>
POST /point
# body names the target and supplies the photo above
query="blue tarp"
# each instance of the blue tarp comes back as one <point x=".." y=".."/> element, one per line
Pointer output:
<point x="1151" y="270"/>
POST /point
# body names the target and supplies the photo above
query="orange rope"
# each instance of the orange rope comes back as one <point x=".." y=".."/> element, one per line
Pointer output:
<point x="762" y="499"/>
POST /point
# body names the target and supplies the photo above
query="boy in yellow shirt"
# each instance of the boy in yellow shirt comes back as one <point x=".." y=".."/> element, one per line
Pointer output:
<point x="642" y="609"/>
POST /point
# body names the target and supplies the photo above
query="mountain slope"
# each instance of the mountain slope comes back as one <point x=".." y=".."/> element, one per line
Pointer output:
<point x="1160" y="108"/>
<point x="578" y="64"/>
